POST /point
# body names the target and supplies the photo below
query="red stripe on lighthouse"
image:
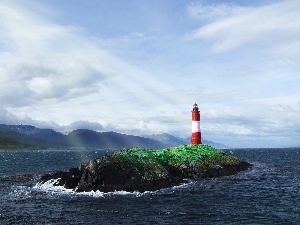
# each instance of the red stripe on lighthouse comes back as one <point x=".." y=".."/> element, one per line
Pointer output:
<point x="196" y="132"/>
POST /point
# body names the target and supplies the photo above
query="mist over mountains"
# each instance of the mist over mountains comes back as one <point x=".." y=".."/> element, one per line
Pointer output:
<point x="84" y="138"/>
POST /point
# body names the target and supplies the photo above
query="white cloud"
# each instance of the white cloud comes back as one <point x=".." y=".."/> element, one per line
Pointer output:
<point x="273" y="27"/>
<point x="7" y="117"/>
<point x="199" y="10"/>
<point x="41" y="60"/>
<point x="83" y="124"/>
<point x="269" y="123"/>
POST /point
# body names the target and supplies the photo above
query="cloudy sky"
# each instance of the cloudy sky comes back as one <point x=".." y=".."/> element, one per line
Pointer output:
<point x="138" y="66"/>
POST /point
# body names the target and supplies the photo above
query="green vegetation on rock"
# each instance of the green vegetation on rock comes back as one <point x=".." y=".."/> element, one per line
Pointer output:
<point x="184" y="154"/>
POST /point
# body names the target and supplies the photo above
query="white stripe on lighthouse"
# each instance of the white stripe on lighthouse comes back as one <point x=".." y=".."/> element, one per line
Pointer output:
<point x="195" y="126"/>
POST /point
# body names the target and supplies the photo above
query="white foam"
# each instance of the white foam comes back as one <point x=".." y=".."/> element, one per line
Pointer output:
<point x="108" y="194"/>
<point x="49" y="187"/>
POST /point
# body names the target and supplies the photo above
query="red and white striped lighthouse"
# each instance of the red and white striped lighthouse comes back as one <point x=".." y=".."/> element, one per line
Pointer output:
<point x="196" y="133"/>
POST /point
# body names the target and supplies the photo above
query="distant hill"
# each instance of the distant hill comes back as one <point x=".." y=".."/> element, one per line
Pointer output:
<point x="214" y="144"/>
<point x="43" y="137"/>
<point x="6" y="131"/>
<point x="9" y="143"/>
<point x="109" y="140"/>
<point x="176" y="141"/>
<point x="83" y="138"/>
<point x="168" y="139"/>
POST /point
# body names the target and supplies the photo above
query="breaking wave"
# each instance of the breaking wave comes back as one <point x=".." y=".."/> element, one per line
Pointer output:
<point x="49" y="187"/>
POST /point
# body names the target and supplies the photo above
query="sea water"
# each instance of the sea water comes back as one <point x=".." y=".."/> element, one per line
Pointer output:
<point x="268" y="193"/>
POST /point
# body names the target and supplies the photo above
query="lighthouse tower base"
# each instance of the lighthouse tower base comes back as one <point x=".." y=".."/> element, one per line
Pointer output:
<point x="196" y="138"/>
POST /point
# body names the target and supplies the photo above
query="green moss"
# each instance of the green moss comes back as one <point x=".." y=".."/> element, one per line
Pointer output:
<point x="181" y="155"/>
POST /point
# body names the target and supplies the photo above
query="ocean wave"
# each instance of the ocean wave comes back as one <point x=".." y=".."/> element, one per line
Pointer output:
<point x="50" y="187"/>
<point x="19" y="193"/>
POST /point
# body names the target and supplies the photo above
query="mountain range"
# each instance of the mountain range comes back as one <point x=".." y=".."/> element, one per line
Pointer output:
<point x="28" y="135"/>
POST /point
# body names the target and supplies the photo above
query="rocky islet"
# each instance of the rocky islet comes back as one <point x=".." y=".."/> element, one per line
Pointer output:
<point x="140" y="169"/>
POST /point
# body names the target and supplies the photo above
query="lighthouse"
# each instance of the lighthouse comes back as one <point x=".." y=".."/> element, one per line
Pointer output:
<point x="196" y="133"/>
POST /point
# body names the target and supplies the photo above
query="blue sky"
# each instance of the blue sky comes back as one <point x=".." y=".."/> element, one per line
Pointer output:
<point x="138" y="66"/>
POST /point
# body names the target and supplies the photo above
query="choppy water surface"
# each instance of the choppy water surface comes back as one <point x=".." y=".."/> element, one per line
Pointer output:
<point x="268" y="193"/>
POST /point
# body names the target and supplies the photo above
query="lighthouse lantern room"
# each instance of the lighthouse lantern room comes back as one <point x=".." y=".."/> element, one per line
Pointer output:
<point x="196" y="133"/>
